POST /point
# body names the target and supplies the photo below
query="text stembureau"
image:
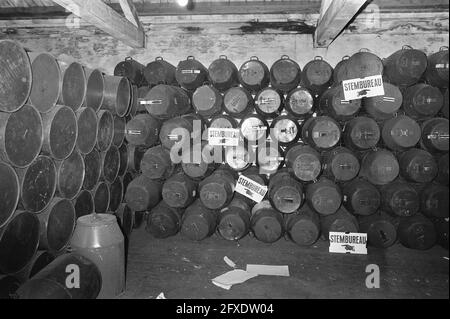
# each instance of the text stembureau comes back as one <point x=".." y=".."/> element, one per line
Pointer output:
<point x="226" y="309"/>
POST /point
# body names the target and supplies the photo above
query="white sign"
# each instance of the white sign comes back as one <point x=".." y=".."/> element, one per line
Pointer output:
<point x="356" y="89"/>
<point x="348" y="243"/>
<point x="250" y="189"/>
<point x="223" y="136"/>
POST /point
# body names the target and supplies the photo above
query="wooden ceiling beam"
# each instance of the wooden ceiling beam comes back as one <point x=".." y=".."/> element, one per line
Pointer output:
<point x="130" y="12"/>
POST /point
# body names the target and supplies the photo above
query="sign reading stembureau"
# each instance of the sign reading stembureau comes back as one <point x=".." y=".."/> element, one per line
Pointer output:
<point x="250" y="189"/>
<point x="356" y="89"/>
<point x="348" y="243"/>
<point x="223" y="137"/>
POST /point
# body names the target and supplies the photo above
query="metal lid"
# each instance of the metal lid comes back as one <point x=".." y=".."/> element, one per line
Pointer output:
<point x="307" y="167"/>
<point x="287" y="199"/>
<point x="253" y="128"/>
<point x="231" y="226"/>
<point x="268" y="101"/>
<point x="252" y="72"/>
<point x="304" y="232"/>
<point x="285" y="130"/>
<point x="238" y="158"/>
<point x="405" y="201"/>
<point x="71" y="176"/>
<point x="204" y="99"/>
<point x="301" y="101"/>
<point x="382" y="234"/>
<point x="326" y="200"/>
<point x="10" y="190"/>
<point x="105" y="130"/>
<point x="267" y="227"/>
<point x="401" y="132"/>
<point x="236" y="100"/>
<point x="437" y="134"/>
<point x="325" y="132"/>
<point x="364" y="132"/>
<point x="380" y="167"/>
<point x="214" y="195"/>
<point x="345" y="166"/>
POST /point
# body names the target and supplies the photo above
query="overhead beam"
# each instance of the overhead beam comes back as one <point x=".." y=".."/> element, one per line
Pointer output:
<point x="130" y="12"/>
<point x="105" y="18"/>
<point x="335" y="16"/>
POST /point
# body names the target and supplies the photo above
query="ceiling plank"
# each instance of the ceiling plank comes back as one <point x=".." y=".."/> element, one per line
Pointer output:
<point x="130" y="12"/>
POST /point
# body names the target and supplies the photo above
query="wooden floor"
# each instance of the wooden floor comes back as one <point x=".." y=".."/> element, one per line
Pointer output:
<point x="183" y="270"/>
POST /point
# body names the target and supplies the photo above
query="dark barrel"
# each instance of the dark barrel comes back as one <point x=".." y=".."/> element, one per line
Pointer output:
<point x="50" y="282"/>
<point x="95" y="90"/>
<point x="180" y="130"/>
<point x="132" y="70"/>
<point x="270" y="157"/>
<point x="201" y="165"/>
<point x="74" y="86"/>
<point x="125" y="219"/>
<point x="101" y="197"/>
<point x="422" y="101"/>
<point x="156" y="163"/>
<point x="38" y="184"/>
<point x="254" y="127"/>
<point x="385" y="106"/>
<point x="434" y="201"/>
<point x="119" y="131"/>
<point x="379" y="167"/>
<point x="135" y="155"/>
<point x="380" y="228"/>
<point x="340" y="164"/>
<point x="443" y="175"/>
<point x="207" y="101"/>
<point x="267" y="223"/>
<point x="223" y="74"/>
<point x="19" y="241"/>
<point x="93" y="168"/>
<point x="238" y="102"/>
<point x="216" y="191"/>
<point x="8" y="287"/>
<point x="126" y="180"/>
<point x="139" y="218"/>
<point x="304" y="161"/>
<point x="143" y="194"/>
<point x="223" y="121"/>
<point x="285" y="130"/>
<point x="341" y="221"/>
<point x="417" y="166"/>
<point x="15" y="76"/>
<point x="254" y="173"/>
<point x="84" y="204"/>
<point x="191" y="74"/>
<point x="285" y="74"/>
<point x="321" y="132"/>
<point x="400" y="199"/>
<point x="238" y="158"/>
<point x="445" y="108"/>
<point x="442" y="231"/>
<point x="143" y="130"/>
<point x="417" y="232"/>
<point x="10" y="193"/>
<point x="405" y="67"/>
<point x="160" y="72"/>
<point x="164" y="221"/>
<point x="116" y="194"/>
<point x="117" y="95"/>
<point x="57" y="223"/>
<point x="333" y="103"/>
<point x="400" y="133"/>
<point x="303" y="227"/>
<point x="363" y="64"/>
<point x="285" y="193"/>
<point x="105" y="132"/>
<point x="269" y="102"/>
<point x="179" y="191"/>
<point x="87" y="123"/>
<point x="317" y="75"/>
<point x="437" y="70"/>
<point x="198" y="221"/>
<point x="340" y="70"/>
<point x="254" y="75"/>
<point x="40" y="260"/>
<point x="21" y="135"/>
<point x="324" y="196"/>
<point x="123" y="151"/>
<point x="361" y="197"/>
<point x="110" y="164"/>
<point x="435" y="135"/>
<point x="300" y="103"/>
<point x="134" y="103"/>
<point x="234" y="220"/>
<point x="166" y="101"/>
<point x="361" y="133"/>
<point x="70" y="176"/>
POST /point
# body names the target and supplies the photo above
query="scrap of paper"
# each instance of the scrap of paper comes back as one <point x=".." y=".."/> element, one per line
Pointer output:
<point x="265" y="270"/>
<point x="161" y="296"/>
<point x="234" y="277"/>
<point x="229" y="262"/>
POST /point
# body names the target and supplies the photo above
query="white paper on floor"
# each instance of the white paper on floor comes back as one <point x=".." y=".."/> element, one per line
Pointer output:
<point x="229" y="262"/>
<point x="266" y="270"/>
<point x="161" y="296"/>
<point x="234" y="277"/>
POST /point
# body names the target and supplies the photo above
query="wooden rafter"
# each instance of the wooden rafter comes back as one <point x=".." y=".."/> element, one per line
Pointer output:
<point x="129" y="10"/>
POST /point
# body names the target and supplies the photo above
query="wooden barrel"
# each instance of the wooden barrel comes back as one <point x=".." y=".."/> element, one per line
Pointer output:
<point x="83" y="204"/>
<point x="105" y="132"/>
<point x="234" y="220"/>
<point x="238" y="102"/>
<point x="269" y="103"/>
<point x="180" y="130"/>
<point x="38" y="184"/>
<point x="285" y="193"/>
<point x="417" y="232"/>
<point x="21" y="135"/>
<point x="380" y="229"/>
<point x="443" y="175"/>
<point x="435" y="201"/>
<point x="70" y="175"/>
<point x="19" y="241"/>
<point x="191" y="73"/>
<point x="400" y="133"/>
<point x="132" y="70"/>
<point x="379" y="167"/>
<point x="270" y="157"/>
<point x="238" y="158"/>
<point x="418" y="166"/>
<point x="216" y="191"/>
<point x="445" y="108"/>
<point x="101" y="198"/>
<point x="116" y="194"/>
<point x="196" y="169"/>
<point x="333" y="103"/>
<point x="303" y="227"/>
<point x="119" y="130"/>
<point x="317" y="75"/>
<point x="165" y="101"/>
<point x="340" y="70"/>
<point x="361" y="197"/>
<point x="223" y="74"/>
<point x="123" y="163"/>
<point x="321" y="132"/>
<point x="143" y="193"/>
<point x="110" y="164"/>
<point x="400" y="199"/>
<point x="437" y="70"/>
<point x="285" y="74"/>
<point x="156" y="163"/>
<point x="363" y="64"/>
<point x="223" y="121"/>
<point x="254" y="127"/>
<point x="324" y="196"/>
<point x="164" y="221"/>
<point x="10" y="190"/>
<point x="198" y="222"/>
<point x="93" y="167"/>
<point x="341" y="221"/>
<point x="304" y="161"/>
<point x="300" y="103"/>
<point x="87" y="123"/>
<point x="116" y="95"/>
<point x="385" y="106"/>
<point x="95" y="90"/>
<point x="340" y="164"/>
<point x="435" y="135"/>
<point x="179" y="191"/>
<point x="254" y="75"/>
<point x="207" y="101"/>
<point x="74" y="86"/>
<point x="15" y="76"/>
<point x="57" y="223"/>
<point x="442" y="232"/>
<point x="422" y="101"/>
<point x="160" y="72"/>
<point x="143" y="130"/>
<point x="267" y="223"/>
<point x="254" y="173"/>
<point x="405" y="67"/>
<point x="285" y="130"/>
<point x="361" y="133"/>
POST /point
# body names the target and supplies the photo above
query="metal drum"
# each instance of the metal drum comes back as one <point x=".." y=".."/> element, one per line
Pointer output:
<point x="300" y="103"/>
<point x="435" y="201"/>
<point x="285" y="193"/>
<point x="93" y="168"/>
<point x="135" y="155"/>
<point x="9" y="193"/>
<point x="269" y="103"/>
<point x="418" y="166"/>
<point x="333" y="103"/>
<point x="380" y="167"/>
<point x="132" y="70"/>
<point x="179" y="131"/>
<point x="254" y="75"/>
<point x="422" y="101"/>
<point x="361" y="133"/>
<point x="40" y="260"/>
<point x="385" y="106"/>
<point x="270" y="158"/>
<point x="400" y="199"/>
<point x="105" y="132"/>
<point x="435" y="135"/>
<point x="445" y="108"/>
<point x="238" y="158"/>
<point x="267" y="224"/>
<point x="223" y="121"/>
<point x="254" y="173"/>
<point x="119" y="131"/>
<point x="70" y="176"/>
<point x="8" y="287"/>
<point x="123" y="152"/>
<point x="238" y="102"/>
<point x="400" y="133"/>
<point x="380" y="228"/>
<point x="125" y="218"/>
<point x="437" y="70"/>
<point x="139" y="219"/>
<point x="341" y="221"/>
<point x="216" y="191"/>
<point x="254" y="128"/>
<point x="340" y="164"/>
<point x="84" y="204"/>
<point x="116" y="95"/>
<point x="223" y="74"/>
<point x="179" y="191"/>
<point x="21" y="135"/>
<point x="143" y="130"/>
<point x="191" y="74"/>
<point x="317" y="76"/>
<point x="15" y="76"/>
<point x="340" y="70"/>
<point x="87" y="123"/>
<point x="442" y="231"/>
<point x="156" y="163"/>
<point x="110" y="164"/>
<point x="417" y="232"/>
<point x="19" y="241"/>
<point x="95" y="90"/>
<point x="102" y="197"/>
<point x="361" y="197"/>
<point x="164" y="102"/>
<point x="321" y="132"/>
<point x="198" y="222"/>
<point x="304" y="161"/>
<point x="74" y="86"/>
<point x="363" y="64"/>
<point x="443" y="175"/>
<point x="143" y="194"/>
<point x="234" y="220"/>
<point x="207" y="101"/>
<point x="126" y="180"/>
<point x="116" y="194"/>
<point x="199" y="169"/>
<point x="98" y="237"/>
<point x="285" y="74"/>
<point x="164" y="221"/>
<point x="134" y="103"/>
<point x="285" y="130"/>
<point x="324" y="196"/>
<point x="160" y="72"/>
<point x="303" y="227"/>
